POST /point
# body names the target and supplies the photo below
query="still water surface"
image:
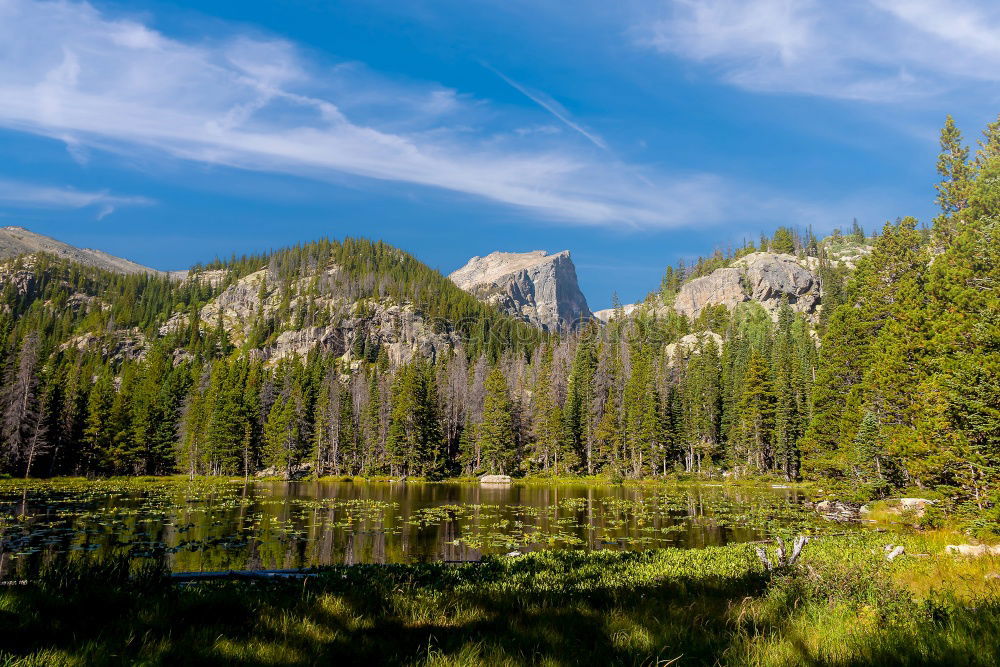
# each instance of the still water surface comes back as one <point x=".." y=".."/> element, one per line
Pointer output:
<point x="214" y="525"/>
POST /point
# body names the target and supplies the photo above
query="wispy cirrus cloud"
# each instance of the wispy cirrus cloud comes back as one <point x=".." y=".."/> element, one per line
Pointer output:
<point x="19" y="194"/>
<point x="870" y="50"/>
<point x="73" y="73"/>
<point x="553" y="107"/>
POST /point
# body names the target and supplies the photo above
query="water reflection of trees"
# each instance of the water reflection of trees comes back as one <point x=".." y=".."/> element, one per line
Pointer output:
<point x="280" y="525"/>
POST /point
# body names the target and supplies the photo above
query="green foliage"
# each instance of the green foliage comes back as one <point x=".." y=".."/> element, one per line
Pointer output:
<point x="783" y="241"/>
<point x="495" y="434"/>
<point x="414" y="440"/>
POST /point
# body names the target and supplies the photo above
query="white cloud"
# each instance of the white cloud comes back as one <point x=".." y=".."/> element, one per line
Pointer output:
<point x="70" y="72"/>
<point x="872" y="50"/>
<point x="19" y="194"/>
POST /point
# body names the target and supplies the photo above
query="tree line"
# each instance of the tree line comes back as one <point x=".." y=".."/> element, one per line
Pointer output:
<point x="895" y="383"/>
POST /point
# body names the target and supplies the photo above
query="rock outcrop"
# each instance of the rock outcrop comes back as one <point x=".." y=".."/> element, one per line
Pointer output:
<point x="768" y="278"/>
<point x="15" y="241"/>
<point x="536" y="287"/>
<point x="607" y="314"/>
<point x="692" y="343"/>
<point x="972" y="549"/>
<point x="117" y="345"/>
<point x="400" y="329"/>
<point x="835" y="510"/>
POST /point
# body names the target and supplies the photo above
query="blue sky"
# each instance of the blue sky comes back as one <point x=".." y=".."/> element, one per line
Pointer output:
<point x="633" y="133"/>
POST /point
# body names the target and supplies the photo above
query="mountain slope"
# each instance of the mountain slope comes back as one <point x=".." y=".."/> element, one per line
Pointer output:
<point x="16" y="241"/>
<point x="354" y="299"/>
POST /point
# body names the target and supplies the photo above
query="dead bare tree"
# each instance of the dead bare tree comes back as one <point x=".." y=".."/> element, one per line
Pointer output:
<point x="20" y="402"/>
<point x="782" y="561"/>
<point x="38" y="443"/>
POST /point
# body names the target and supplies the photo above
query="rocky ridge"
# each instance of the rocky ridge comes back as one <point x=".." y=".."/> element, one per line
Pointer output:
<point x="692" y="343"/>
<point x="536" y="287"/>
<point x="15" y="241"/>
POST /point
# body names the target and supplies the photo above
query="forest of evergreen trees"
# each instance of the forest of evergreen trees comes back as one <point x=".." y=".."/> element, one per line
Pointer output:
<point x="897" y="383"/>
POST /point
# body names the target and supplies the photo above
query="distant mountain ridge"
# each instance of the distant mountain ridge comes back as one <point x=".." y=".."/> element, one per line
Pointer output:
<point x="542" y="289"/>
<point x="15" y="241"/>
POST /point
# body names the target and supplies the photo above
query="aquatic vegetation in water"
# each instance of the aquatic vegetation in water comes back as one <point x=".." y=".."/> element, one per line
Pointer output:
<point x="220" y="524"/>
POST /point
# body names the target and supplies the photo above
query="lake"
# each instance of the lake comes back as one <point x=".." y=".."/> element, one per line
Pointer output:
<point x="229" y="524"/>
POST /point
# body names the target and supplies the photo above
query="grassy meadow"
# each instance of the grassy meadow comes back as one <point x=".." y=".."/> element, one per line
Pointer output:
<point x="842" y="603"/>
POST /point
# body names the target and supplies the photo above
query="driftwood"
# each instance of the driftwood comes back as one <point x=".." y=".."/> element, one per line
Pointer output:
<point x="894" y="552"/>
<point x="782" y="560"/>
<point x="192" y="577"/>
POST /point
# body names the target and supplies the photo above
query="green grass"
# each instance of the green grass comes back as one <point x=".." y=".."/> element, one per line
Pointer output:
<point x="843" y="603"/>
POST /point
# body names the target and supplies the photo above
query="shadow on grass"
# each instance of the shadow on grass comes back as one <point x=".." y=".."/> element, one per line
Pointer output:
<point x="559" y="610"/>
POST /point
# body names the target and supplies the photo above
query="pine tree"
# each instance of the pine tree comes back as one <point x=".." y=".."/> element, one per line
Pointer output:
<point x="963" y="325"/>
<point x="607" y="437"/>
<point x="577" y="412"/>
<point x="547" y="423"/>
<point x="643" y="422"/>
<point x="98" y="435"/>
<point x="280" y="436"/>
<point x="955" y="186"/>
<point x="326" y="440"/>
<point x="754" y="442"/>
<point x="192" y="424"/>
<point x="495" y="434"/>
<point x="868" y="453"/>
<point x="887" y="289"/>
<point x="414" y="439"/>
<point x="120" y="455"/>
<point x="700" y="405"/>
<point x="372" y="430"/>
<point x="225" y="423"/>
<point x="284" y="434"/>
<point x="783" y="241"/>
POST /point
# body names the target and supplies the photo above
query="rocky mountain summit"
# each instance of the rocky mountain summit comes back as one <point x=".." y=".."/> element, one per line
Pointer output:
<point x="15" y="241"/>
<point x="536" y="287"/>
<point x="765" y="277"/>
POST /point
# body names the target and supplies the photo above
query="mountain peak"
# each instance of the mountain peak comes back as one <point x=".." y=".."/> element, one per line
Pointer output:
<point x="535" y="286"/>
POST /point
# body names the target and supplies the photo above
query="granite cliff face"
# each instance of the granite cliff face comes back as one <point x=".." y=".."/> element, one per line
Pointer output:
<point x="536" y="287"/>
<point x="768" y="278"/>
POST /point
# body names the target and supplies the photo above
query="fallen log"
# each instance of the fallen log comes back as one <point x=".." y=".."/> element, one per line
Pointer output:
<point x="192" y="577"/>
